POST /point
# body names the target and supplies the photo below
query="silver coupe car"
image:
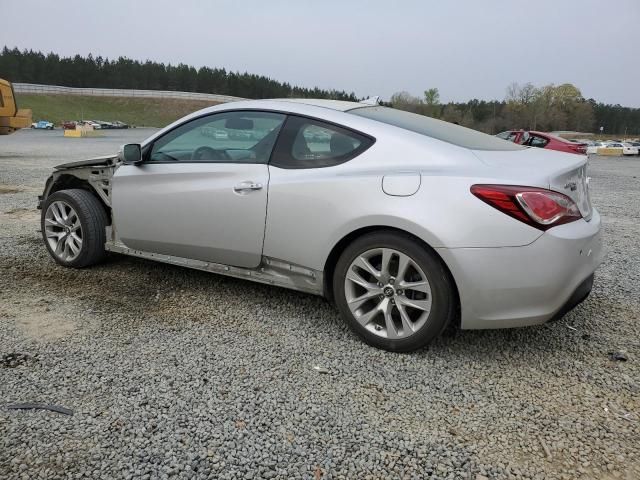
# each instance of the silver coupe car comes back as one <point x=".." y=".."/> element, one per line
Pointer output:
<point x="408" y="224"/>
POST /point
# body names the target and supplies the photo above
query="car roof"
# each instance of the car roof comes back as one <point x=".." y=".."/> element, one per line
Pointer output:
<point x="340" y="105"/>
<point x="292" y="105"/>
<point x="328" y="110"/>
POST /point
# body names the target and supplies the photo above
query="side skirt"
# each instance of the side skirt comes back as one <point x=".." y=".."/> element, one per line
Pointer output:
<point x="271" y="271"/>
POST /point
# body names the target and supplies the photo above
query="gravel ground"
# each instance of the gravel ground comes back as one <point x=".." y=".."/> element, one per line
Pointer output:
<point x="175" y="373"/>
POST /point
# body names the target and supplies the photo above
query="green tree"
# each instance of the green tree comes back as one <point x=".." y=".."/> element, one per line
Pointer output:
<point x="432" y="96"/>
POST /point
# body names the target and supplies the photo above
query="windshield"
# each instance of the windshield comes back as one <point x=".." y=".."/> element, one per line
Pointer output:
<point x="438" y="129"/>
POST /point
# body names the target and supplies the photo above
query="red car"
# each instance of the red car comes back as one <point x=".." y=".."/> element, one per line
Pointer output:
<point x="69" y="125"/>
<point x="543" y="140"/>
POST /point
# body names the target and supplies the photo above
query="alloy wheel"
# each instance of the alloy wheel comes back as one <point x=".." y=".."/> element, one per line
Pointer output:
<point x="388" y="293"/>
<point x="63" y="231"/>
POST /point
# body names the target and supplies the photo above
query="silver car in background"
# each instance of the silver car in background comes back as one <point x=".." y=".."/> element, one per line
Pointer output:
<point x="408" y="224"/>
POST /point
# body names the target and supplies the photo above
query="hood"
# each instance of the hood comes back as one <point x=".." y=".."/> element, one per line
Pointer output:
<point x="104" y="161"/>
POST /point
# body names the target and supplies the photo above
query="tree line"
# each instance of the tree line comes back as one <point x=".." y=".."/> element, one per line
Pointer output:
<point x="546" y="108"/>
<point x="28" y="66"/>
<point x="550" y="107"/>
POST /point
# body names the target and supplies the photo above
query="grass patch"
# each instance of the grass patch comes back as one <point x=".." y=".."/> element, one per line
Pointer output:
<point x="147" y="112"/>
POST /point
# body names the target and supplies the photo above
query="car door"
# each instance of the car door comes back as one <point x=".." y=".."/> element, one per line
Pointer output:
<point x="310" y="188"/>
<point x="201" y="190"/>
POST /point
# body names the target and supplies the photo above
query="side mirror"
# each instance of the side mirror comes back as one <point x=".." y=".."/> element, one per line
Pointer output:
<point x="131" y="154"/>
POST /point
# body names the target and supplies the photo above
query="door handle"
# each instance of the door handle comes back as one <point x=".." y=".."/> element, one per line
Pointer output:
<point x="245" y="187"/>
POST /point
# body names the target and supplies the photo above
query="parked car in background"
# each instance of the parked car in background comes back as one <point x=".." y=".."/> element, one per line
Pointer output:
<point x="91" y="123"/>
<point x="119" y="124"/>
<point x="103" y="125"/>
<point x="406" y="223"/>
<point x="593" y="146"/>
<point x="42" y="125"/>
<point x="635" y="144"/>
<point x="625" y="148"/>
<point x="69" y="125"/>
<point x="532" y="138"/>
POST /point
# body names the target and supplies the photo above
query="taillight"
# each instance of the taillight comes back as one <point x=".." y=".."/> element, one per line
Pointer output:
<point x="534" y="206"/>
<point x="578" y="148"/>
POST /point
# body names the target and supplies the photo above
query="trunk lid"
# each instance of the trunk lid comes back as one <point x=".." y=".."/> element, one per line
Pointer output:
<point x="561" y="172"/>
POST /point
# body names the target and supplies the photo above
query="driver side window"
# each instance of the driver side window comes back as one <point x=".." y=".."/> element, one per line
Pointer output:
<point x="227" y="137"/>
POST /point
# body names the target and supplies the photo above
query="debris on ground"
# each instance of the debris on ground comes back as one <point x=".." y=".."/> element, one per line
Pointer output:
<point x="618" y="356"/>
<point x="40" y="406"/>
<point x="13" y="360"/>
<point x="547" y="452"/>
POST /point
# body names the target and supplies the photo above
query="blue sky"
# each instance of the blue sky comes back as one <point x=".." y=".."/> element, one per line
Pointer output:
<point x="467" y="49"/>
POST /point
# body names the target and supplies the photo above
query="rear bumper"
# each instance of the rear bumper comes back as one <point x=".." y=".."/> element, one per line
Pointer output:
<point x="579" y="295"/>
<point x="528" y="285"/>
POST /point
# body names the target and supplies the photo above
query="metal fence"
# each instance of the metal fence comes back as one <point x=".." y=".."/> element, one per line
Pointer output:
<point x="119" y="92"/>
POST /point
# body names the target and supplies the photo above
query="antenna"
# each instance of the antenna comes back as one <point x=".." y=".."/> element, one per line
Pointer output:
<point x="371" y="100"/>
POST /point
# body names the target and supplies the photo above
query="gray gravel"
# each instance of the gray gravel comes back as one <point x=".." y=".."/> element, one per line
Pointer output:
<point x="175" y="373"/>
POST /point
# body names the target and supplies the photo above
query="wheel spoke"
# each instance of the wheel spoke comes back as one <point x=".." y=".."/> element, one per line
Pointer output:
<point x="59" y="246"/>
<point x="386" y="259"/>
<point x="67" y="250"/>
<point x="424" y="305"/>
<point x="63" y="212"/>
<point x="356" y="303"/>
<point x="407" y="325"/>
<point x="50" y="222"/>
<point x="56" y="213"/>
<point x="71" y="242"/>
<point x="421" y="286"/>
<point x="364" y="264"/>
<point x="366" y="318"/>
<point x="76" y="238"/>
<point x="403" y="264"/>
<point x="358" y="280"/>
<point x="388" y="320"/>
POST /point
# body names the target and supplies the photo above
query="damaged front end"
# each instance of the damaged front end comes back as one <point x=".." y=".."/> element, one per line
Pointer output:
<point x="94" y="174"/>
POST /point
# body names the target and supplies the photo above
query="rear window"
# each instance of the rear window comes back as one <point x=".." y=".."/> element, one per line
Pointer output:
<point x="438" y="129"/>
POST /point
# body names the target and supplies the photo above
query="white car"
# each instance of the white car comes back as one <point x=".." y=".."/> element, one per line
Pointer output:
<point x="592" y="147"/>
<point x="626" y="148"/>
<point x="91" y="123"/>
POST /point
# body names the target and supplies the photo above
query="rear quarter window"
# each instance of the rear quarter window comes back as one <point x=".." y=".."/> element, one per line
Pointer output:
<point x="438" y="129"/>
<point x="311" y="143"/>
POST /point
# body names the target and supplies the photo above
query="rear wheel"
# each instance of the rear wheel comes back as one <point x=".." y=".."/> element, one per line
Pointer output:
<point x="393" y="291"/>
<point x="73" y="228"/>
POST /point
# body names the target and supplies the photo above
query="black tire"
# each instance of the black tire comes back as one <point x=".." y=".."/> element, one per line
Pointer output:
<point x="93" y="221"/>
<point x="443" y="296"/>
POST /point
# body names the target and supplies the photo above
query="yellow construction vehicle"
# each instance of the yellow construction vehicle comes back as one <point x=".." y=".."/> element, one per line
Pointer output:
<point x="11" y="118"/>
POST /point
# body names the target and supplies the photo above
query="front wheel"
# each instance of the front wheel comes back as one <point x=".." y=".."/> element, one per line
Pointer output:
<point x="393" y="291"/>
<point x="73" y="226"/>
